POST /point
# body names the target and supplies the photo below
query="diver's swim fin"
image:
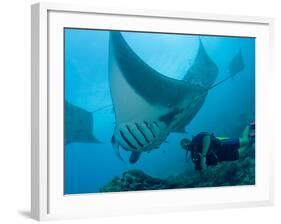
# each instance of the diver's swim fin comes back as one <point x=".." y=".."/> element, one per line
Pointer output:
<point x="134" y="157"/>
<point x="252" y="132"/>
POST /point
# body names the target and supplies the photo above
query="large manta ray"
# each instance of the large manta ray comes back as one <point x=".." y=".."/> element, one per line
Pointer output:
<point x="148" y="105"/>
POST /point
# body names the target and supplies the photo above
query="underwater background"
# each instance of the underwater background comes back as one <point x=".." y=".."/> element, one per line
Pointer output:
<point x="94" y="167"/>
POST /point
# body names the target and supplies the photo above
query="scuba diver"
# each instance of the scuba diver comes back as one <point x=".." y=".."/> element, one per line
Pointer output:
<point x="208" y="150"/>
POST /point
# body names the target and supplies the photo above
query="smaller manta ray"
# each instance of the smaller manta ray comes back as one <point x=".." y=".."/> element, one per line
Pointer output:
<point x="236" y="64"/>
<point x="78" y="125"/>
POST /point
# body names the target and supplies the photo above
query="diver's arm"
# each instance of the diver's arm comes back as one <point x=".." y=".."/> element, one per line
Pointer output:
<point x="205" y="147"/>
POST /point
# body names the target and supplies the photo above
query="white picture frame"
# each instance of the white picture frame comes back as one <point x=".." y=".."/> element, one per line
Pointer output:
<point x="47" y="199"/>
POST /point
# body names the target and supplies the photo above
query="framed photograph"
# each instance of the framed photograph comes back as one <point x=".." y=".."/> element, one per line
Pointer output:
<point x="148" y="111"/>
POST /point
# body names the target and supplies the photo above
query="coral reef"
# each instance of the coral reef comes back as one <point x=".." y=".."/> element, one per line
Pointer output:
<point x="241" y="172"/>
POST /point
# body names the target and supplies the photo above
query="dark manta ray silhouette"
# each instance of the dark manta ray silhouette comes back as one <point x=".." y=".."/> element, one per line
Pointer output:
<point x="148" y="105"/>
<point x="78" y="125"/>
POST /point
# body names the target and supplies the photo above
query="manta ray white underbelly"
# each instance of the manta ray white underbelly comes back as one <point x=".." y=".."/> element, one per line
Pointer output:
<point x="148" y="105"/>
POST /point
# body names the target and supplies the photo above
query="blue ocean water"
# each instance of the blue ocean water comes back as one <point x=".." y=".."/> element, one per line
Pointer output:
<point x="226" y="111"/>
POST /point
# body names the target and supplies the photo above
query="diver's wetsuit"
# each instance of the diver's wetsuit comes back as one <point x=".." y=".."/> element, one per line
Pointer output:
<point x="219" y="150"/>
<point x="228" y="150"/>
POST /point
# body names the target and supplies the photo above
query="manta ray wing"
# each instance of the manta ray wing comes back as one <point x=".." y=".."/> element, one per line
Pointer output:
<point x="143" y="79"/>
<point x="203" y="72"/>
